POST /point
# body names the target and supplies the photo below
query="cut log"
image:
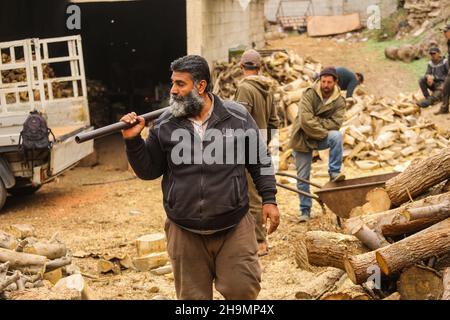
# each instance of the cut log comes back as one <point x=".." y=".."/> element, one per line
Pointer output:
<point x="25" y="262"/>
<point x="54" y="276"/>
<point x="4" y="267"/>
<point x="320" y="285"/>
<point x="433" y="241"/>
<point x="7" y="241"/>
<point x="420" y="283"/>
<point x="162" y="270"/>
<point x="150" y="243"/>
<point x="360" y="267"/>
<point x="347" y="291"/>
<point x="51" y="250"/>
<point x="75" y="282"/>
<point x="292" y="112"/>
<point x="301" y="254"/>
<point x="393" y="296"/>
<point x="369" y="237"/>
<point x="4" y="283"/>
<point x="21" y="231"/>
<point x="151" y="261"/>
<point x="394" y="216"/>
<point x="126" y="262"/>
<point x="419" y="177"/>
<point x="378" y="200"/>
<point x="284" y="164"/>
<point x="58" y="263"/>
<point x="417" y="219"/>
<point x="328" y="249"/>
<point x="446" y="284"/>
<point x="105" y="266"/>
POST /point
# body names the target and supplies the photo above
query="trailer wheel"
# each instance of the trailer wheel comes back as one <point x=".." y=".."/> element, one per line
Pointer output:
<point x="24" y="191"/>
<point x="3" y="194"/>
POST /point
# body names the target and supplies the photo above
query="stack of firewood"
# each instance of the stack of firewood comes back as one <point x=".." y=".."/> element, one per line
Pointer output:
<point x="99" y="104"/>
<point x="396" y="246"/>
<point x="377" y="131"/>
<point x="28" y="263"/>
<point x="288" y="73"/>
<point x="422" y="10"/>
<point x="59" y="89"/>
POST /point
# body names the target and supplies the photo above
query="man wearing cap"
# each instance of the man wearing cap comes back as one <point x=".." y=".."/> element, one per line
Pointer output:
<point x="446" y="88"/>
<point x="254" y="92"/>
<point x="433" y="80"/>
<point x="321" y="113"/>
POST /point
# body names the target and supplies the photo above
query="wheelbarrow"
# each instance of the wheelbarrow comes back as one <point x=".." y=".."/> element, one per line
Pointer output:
<point x="341" y="197"/>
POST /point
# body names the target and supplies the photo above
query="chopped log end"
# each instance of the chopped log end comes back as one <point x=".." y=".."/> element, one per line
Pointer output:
<point x="350" y="271"/>
<point x="382" y="264"/>
<point x="420" y="283"/>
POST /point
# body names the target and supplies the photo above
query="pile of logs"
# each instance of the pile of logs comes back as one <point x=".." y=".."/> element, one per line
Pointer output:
<point x="377" y="131"/>
<point x="419" y="11"/>
<point x="288" y="73"/>
<point x="59" y="89"/>
<point x="99" y="104"/>
<point x="401" y="251"/>
<point x="405" y="52"/>
<point x="28" y="263"/>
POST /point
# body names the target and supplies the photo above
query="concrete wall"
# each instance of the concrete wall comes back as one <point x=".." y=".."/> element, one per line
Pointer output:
<point x="214" y="26"/>
<point x="330" y="7"/>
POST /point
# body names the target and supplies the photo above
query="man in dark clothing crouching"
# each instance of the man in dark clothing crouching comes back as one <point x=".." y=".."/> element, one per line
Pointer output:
<point x="433" y="80"/>
<point x="201" y="147"/>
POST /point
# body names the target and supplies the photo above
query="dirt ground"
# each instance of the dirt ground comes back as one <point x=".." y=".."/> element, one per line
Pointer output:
<point x="108" y="217"/>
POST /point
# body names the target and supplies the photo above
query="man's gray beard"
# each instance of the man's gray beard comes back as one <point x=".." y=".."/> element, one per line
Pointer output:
<point x="188" y="106"/>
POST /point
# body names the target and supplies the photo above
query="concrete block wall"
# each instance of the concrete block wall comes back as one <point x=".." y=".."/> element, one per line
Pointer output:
<point x="222" y="25"/>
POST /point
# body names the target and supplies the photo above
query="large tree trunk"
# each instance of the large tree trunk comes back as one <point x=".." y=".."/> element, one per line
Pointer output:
<point x="329" y="248"/>
<point x="419" y="177"/>
<point x="376" y="221"/>
<point x="323" y="283"/>
<point x="25" y="262"/>
<point x="433" y="241"/>
<point x="360" y="267"/>
<point x="420" y="283"/>
<point x="446" y="284"/>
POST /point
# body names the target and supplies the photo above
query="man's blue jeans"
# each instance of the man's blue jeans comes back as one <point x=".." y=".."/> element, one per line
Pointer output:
<point x="303" y="162"/>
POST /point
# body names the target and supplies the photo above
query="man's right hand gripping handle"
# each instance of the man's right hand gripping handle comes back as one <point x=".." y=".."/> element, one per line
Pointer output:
<point x="138" y="123"/>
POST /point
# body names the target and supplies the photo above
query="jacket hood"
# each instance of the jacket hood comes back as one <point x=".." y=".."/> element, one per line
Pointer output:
<point x="336" y="93"/>
<point x="259" y="82"/>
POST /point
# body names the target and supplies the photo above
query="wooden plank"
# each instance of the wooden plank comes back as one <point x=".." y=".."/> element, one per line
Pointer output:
<point x="329" y="25"/>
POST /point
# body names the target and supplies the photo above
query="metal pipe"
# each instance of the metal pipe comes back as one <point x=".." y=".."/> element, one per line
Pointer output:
<point x="306" y="194"/>
<point x="299" y="179"/>
<point x="115" y="127"/>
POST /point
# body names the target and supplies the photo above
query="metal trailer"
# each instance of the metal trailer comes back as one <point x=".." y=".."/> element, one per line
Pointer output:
<point x="66" y="116"/>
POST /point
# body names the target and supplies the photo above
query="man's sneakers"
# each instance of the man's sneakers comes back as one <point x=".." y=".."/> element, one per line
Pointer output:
<point x="305" y="216"/>
<point x="336" y="177"/>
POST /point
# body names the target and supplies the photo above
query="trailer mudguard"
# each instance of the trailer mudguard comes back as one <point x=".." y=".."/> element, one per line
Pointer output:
<point x="6" y="175"/>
